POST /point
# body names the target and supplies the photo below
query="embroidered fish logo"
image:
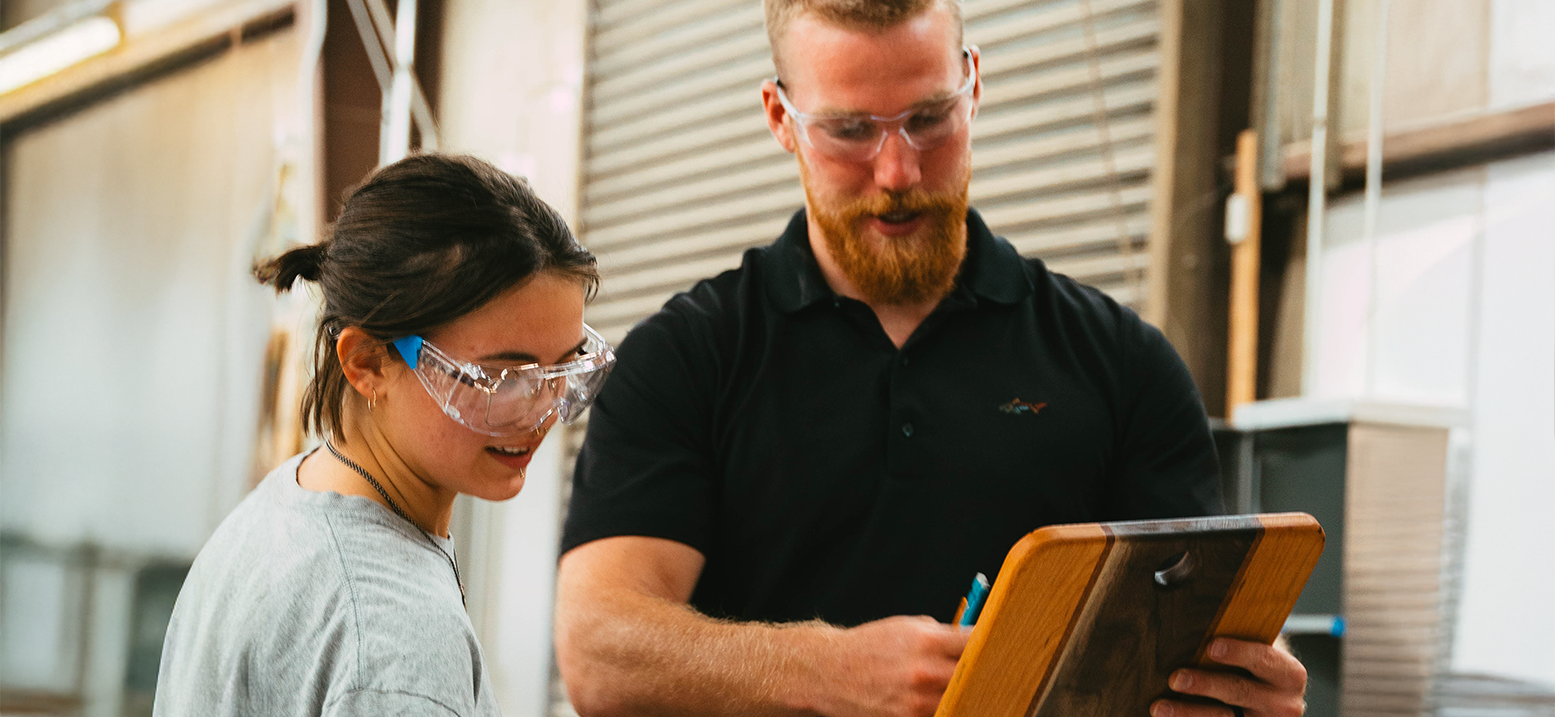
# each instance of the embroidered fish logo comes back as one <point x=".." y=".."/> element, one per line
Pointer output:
<point x="1017" y="407"/>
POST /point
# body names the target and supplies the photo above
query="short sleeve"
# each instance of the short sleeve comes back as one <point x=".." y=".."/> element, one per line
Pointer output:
<point x="385" y="703"/>
<point x="1166" y="464"/>
<point x="644" y="468"/>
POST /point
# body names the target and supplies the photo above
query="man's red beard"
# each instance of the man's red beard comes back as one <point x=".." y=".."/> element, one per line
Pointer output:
<point x="900" y="270"/>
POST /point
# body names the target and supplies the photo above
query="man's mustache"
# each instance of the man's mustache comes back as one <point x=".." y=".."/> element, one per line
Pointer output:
<point x="915" y="201"/>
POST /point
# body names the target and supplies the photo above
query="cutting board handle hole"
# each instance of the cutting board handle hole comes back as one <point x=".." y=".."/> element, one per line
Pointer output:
<point x="1175" y="570"/>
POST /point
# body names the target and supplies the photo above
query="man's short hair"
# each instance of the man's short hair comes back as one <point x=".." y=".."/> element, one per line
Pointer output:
<point x="867" y="15"/>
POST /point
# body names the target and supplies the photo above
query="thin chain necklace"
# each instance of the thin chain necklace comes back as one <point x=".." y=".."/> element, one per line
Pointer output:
<point x="453" y="560"/>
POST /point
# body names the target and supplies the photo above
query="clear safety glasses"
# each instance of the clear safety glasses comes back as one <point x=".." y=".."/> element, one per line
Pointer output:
<point x="859" y="137"/>
<point x="510" y="401"/>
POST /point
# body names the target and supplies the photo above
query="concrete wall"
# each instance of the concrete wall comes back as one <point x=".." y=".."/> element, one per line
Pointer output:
<point x="511" y="93"/>
<point x="134" y="336"/>
<point x="134" y="333"/>
<point x="1453" y="304"/>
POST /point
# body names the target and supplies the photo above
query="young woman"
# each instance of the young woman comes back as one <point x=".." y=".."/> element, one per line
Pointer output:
<point x="451" y="340"/>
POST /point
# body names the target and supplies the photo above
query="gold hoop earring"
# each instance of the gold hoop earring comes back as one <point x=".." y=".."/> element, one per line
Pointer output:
<point x="372" y="400"/>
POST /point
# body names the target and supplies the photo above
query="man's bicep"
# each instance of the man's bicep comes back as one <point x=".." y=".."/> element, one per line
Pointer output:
<point x="650" y="567"/>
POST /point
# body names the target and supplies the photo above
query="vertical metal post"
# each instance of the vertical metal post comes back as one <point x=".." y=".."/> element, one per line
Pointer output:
<point x="1266" y="105"/>
<point x="395" y="135"/>
<point x="1379" y="73"/>
<point x="1317" y="193"/>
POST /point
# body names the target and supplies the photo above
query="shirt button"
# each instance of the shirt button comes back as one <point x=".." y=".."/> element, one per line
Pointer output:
<point x="907" y="429"/>
<point x="906" y="361"/>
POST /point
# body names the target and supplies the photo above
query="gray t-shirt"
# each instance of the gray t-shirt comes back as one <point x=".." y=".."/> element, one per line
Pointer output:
<point x="309" y="603"/>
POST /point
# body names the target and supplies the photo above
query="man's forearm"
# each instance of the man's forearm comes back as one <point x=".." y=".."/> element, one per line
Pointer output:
<point x="631" y="654"/>
<point x="628" y="644"/>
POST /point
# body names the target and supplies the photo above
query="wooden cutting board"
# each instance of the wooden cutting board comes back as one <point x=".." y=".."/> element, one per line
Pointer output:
<point x="1088" y="620"/>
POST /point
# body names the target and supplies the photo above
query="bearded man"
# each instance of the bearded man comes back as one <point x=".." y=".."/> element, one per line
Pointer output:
<point x="798" y="466"/>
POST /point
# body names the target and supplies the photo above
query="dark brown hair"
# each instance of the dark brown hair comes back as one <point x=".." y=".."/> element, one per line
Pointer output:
<point x="419" y="244"/>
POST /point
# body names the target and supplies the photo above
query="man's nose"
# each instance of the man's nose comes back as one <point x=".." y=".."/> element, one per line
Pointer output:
<point x="896" y="167"/>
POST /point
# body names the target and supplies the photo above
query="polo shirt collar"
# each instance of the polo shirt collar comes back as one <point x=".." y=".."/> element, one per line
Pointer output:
<point x="992" y="270"/>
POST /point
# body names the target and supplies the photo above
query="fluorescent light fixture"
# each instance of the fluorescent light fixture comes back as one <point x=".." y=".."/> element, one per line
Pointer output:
<point x="56" y="51"/>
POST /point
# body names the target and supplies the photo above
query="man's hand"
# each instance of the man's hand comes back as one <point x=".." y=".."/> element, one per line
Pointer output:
<point x="628" y="644"/>
<point x="1277" y="688"/>
<point x="897" y="666"/>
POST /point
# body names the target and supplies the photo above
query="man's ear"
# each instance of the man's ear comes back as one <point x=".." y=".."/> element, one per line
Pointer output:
<point x="361" y="360"/>
<point x="773" y="109"/>
<point x="977" y="90"/>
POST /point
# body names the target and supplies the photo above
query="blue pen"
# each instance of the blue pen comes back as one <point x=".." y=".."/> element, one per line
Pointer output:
<point x="974" y="600"/>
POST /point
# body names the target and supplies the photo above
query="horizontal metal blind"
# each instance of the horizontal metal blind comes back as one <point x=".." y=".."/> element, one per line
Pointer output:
<point x="681" y="175"/>
<point x="1064" y="141"/>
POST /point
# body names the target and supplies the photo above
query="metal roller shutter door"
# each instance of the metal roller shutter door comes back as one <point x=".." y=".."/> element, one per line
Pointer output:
<point x="680" y="175"/>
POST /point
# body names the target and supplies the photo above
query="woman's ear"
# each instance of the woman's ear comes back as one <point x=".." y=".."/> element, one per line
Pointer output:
<point x="361" y="360"/>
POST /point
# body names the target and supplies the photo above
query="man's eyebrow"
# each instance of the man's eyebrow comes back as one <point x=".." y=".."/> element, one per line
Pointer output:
<point x="937" y="98"/>
<point x="523" y="357"/>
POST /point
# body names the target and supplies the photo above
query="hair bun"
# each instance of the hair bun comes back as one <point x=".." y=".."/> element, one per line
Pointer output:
<point x="282" y="271"/>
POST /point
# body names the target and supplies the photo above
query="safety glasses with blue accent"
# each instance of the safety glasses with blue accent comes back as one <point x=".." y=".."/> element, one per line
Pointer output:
<point x="860" y="137"/>
<point x="510" y="401"/>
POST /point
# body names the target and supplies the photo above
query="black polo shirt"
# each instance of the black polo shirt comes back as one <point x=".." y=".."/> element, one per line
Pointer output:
<point x="772" y="425"/>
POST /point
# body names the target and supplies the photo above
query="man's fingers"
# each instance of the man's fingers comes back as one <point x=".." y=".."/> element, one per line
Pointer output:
<point x="1172" y="708"/>
<point x="1256" y="698"/>
<point x="1228" y="688"/>
<point x="955" y="641"/>
<point x="1268" y="663"/>
<point x="947" y="640"/>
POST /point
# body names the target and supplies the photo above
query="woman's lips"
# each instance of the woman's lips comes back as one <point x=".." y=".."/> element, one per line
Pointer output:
<point x="515" y="461"/>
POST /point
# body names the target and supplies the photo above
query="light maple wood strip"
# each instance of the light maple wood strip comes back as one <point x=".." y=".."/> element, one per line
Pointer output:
<point x="1297" y="540"/>
<point x="1068" y="556"/>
